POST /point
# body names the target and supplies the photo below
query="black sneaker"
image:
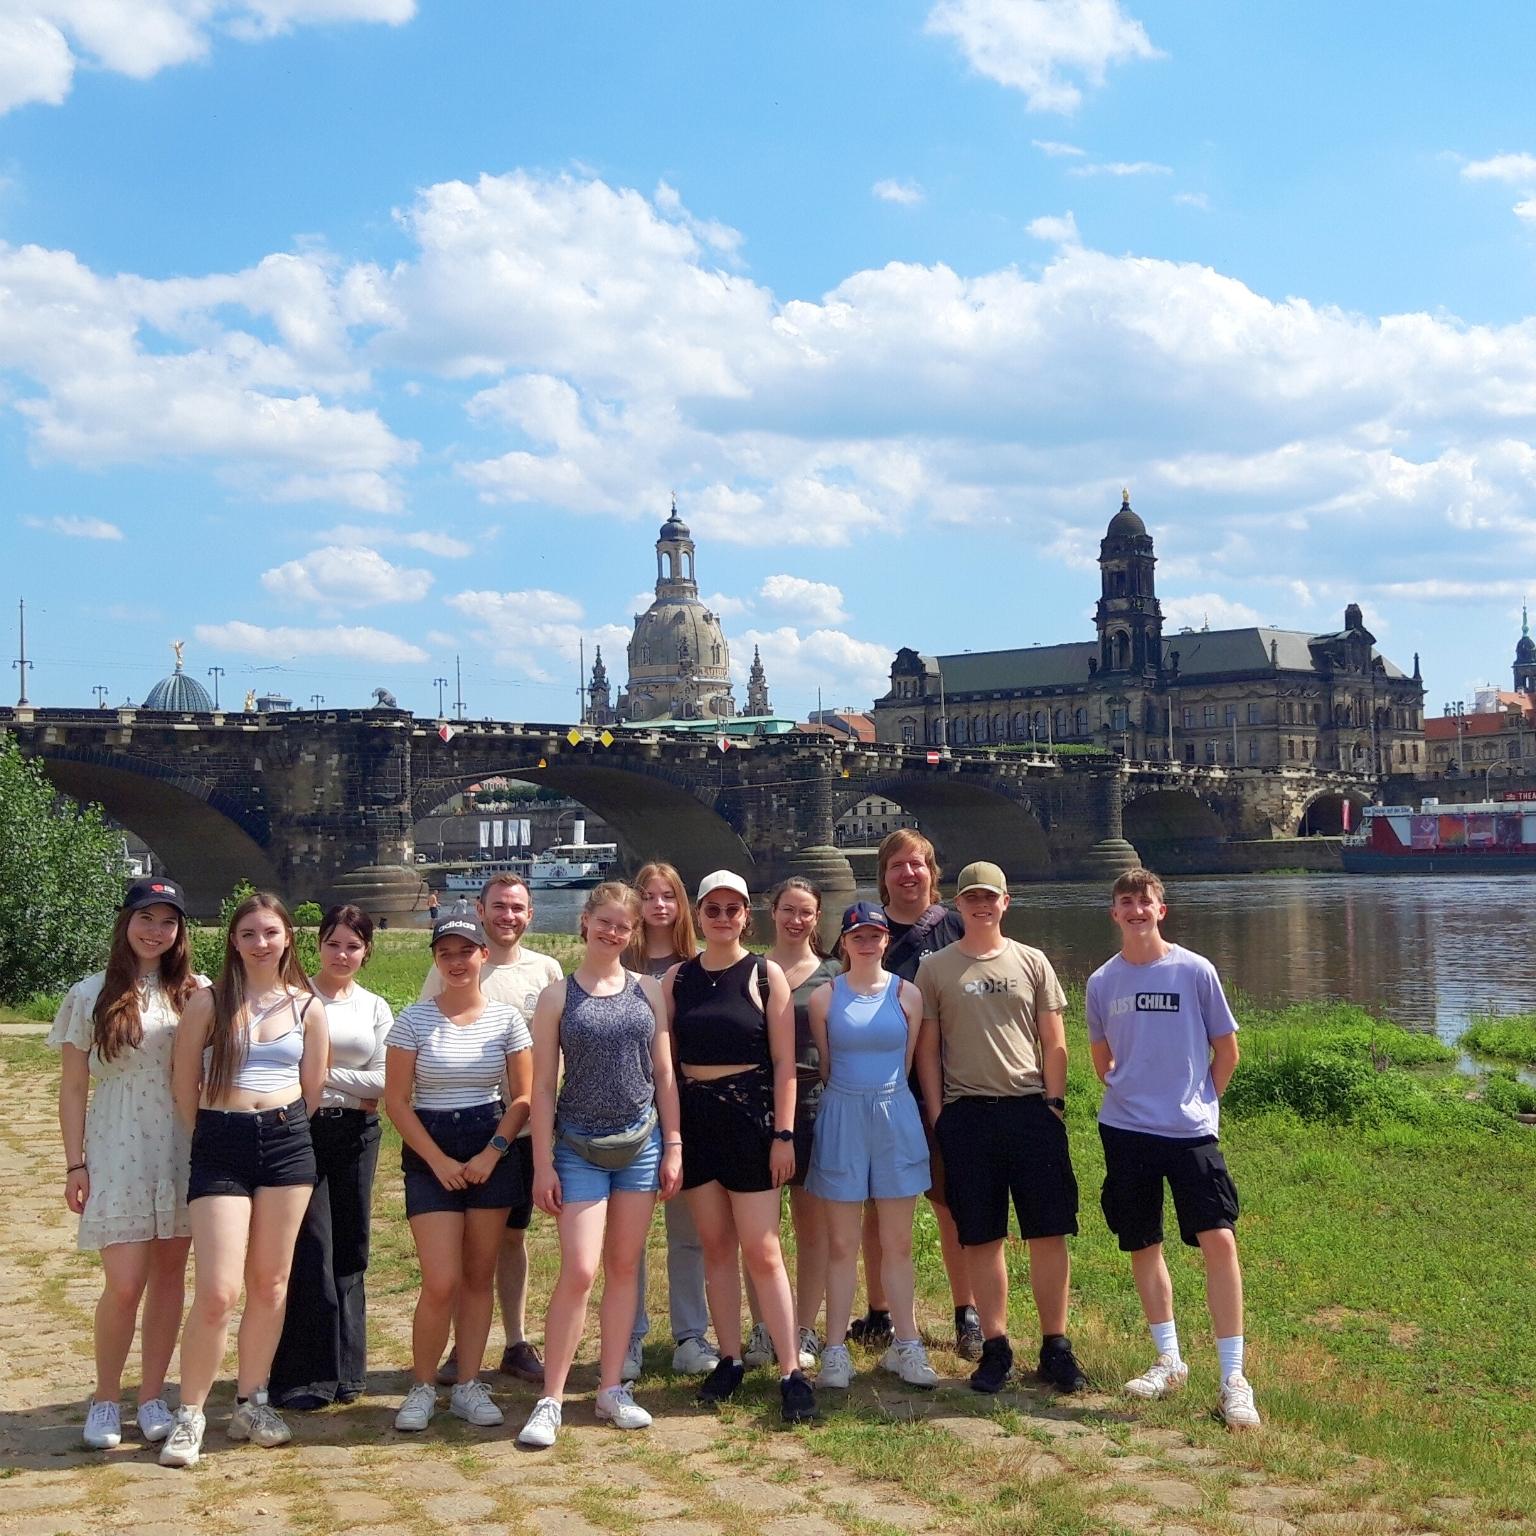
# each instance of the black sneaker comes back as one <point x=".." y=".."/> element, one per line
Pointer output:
<point x="798" y="1398"/>
<point x="1058" y="1365"/>
<point x="968" y="1339"/>
<point x="995" y="1368"/>
<point x="874" y="1330"/>
<point x="721" y="1383"/>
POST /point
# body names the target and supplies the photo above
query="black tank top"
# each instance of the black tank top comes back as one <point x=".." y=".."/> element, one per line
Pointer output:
<point x="717" y="1021"/>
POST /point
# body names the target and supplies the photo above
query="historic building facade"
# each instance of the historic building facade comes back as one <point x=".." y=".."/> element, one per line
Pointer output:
<point x="1252" y="697"/>
<point x="679" y="661"/>
<point x="1497" y="737"/>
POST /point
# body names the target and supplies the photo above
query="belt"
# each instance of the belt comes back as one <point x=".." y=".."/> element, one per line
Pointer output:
<point x="336" y="1111"/>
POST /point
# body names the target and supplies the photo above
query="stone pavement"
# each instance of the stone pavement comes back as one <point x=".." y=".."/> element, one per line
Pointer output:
<point x="887" y="1462"/>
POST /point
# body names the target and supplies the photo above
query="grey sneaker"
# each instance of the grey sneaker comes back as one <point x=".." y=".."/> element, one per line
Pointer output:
<point x="471" y="1401"/>
<point x="617" y="1406"/>
<point x="154" y="1419"/>
<point x="259" y="1422"/>
<point x="910" y="1362"/>
<point x="759" y="1350"/>
<point x="103" y="1426"/>
<point x="695" y="1357"/>
<point x="542" y="1426"/>
<point x="184" y="1444"/>
<point x="836" y="1367"/>
<point x="810" y="1349"/>
<point x="416" y="1411"/>
<point x="634" y="1360"/>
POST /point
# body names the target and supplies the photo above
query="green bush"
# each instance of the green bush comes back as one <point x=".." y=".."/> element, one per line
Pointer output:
<point x="308" y="914"/>
<point x="1512" y="1038"/>
<point x="208" y="943"/>
<point x="1504" y="1092"/>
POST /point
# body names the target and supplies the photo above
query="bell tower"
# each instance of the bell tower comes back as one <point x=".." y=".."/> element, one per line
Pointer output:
<point x="1129" y="618"/>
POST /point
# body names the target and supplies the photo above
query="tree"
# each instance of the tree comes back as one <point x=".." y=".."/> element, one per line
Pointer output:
<point x="61" y="881"/>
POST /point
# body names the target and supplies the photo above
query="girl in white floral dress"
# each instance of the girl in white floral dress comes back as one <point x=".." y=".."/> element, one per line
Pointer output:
<point x="126" y="1155"/>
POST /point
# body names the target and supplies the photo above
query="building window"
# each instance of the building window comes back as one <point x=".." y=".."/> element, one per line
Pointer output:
<point x="1210" y="714"/>
<point x="1080" y="722"/>
<point x="1210" y="751"/>
<point x="1061" y="723"/>
<point x="909" y="732"/>
<point x="1229" y="715"/>
<point x="1040" y="725"/>
<point x="1187" y="717"/>
<point x="1253" y="749"/>
<point x="1189" y="751"/>
<point x="1255" y="713"/>
<point x="1290" y="747"/>
<point x="1415" y="751"/>
<point x="1117" y="717"/>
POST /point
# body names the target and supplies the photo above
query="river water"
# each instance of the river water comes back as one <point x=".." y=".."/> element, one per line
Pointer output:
<point x="1424" y="953"/>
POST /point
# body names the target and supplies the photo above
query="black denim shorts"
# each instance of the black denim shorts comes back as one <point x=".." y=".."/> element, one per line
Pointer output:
<point x="238" y="1151"/>
<point x="461" y="1134"/>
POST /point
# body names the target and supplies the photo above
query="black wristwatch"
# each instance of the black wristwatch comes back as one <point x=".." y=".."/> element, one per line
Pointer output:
<point x="783" y="1135"/>
<point x="502" y="1145"/>
<point x="1060" y="1104"/>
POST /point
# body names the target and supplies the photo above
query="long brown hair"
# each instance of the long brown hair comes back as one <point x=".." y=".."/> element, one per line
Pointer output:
<point x="115" y="1020"/>
<point x="800" y="883"/>
<point x="226" y="1037"/>
<point x="685" y="937"/>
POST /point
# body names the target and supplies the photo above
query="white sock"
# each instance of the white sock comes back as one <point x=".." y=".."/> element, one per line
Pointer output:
<point x="907" y="1343"/>
<point x="1230" y="1353"/>
<point x="1165" y="1337"/>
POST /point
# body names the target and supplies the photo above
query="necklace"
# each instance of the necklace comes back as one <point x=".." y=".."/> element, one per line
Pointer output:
<point x="714" y="976"/>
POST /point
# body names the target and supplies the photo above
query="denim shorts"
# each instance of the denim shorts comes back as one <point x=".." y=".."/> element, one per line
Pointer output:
<point x="461" y="1134"/>
<point x="581" y="1180"/>
<point x="238" y="1151"/>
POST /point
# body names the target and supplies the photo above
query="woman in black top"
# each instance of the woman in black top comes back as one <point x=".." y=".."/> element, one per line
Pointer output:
<point x="733" y="1030"/>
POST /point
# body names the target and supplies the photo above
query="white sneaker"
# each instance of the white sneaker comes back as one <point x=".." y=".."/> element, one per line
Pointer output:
<point x="759" y="1350"/>
<point x="618" y="1407"/>
<point x="543" y="1424"/>
<point x="695" y="1357"/>
<point x="1162" y="1378"/>
<point x="810" y="1349"/>
<point x="836" y="1367"/>
<point x="259" y="1422"/>
<point x="184" y="1444"/>
<point x="634" y="1360"/>
<point x="471" y="1401"/>
<point x="154" y="1419"/>
<point x="103" y="1426"/>
<point x="1237" y="1403"/>
<point x="416" y="1411"/>
<point x="910" y="1362"/>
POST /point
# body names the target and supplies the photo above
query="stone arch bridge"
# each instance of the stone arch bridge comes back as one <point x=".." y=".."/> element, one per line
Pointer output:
<point x="320" y="804"/>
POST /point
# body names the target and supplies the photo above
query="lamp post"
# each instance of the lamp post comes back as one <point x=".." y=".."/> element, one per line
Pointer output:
<point x="215" y="673"/>
<point x="100" y="690"/>
<point x="439" y="683"/>
<point x="317" y="699"/>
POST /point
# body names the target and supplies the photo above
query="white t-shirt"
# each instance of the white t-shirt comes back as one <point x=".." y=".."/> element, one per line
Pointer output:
<point x="1159" y="1020"/>
<point x="358" y="1024"/>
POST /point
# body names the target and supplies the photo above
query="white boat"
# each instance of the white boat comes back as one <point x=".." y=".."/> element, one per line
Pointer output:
<point x="474" y="878"/>
<point x="576" y="865"/>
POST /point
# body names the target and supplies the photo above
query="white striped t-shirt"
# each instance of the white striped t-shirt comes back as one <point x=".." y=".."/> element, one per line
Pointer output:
<point x="459" y="1065"/>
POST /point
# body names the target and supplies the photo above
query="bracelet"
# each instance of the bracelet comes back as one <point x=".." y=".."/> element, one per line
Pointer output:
<point x="677" y="1141"/>
<point x="74" y="1168"/>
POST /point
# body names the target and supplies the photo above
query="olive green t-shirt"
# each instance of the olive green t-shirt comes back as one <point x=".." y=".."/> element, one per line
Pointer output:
<point x="987" y="1012"/>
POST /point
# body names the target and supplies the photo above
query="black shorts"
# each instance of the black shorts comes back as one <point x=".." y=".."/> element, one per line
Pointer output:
<point x="727" y="1129"/>
<point x="522" y="1209"/>
<point x="461" y="1134"/>
<point x="238" y="1151"/>
<point x="807" y="1103"/>
<point x="1135" y="1165"/>
<point x="995" y="1149"/>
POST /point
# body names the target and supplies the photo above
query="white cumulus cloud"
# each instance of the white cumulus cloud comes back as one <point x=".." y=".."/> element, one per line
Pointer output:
<point x="1041" y="47"/>
<point x="1056" y="229"/>
<point x="888" y="190"/>
<point x="42" y="41"/>
<point x="77" y="527"/>
<point x="1057" y="150"/>
<point x="288" y="644"/>
<point x="339" y="576"/>
<point x="797" y="663"/>
<point x="818" y="601"/>
<point x="1200" y="609"/>
<point x="443" y="545"/>
<point x="1517" y="170"/>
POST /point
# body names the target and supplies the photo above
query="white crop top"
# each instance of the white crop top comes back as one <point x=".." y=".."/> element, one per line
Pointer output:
<point x="268" y="1066"/>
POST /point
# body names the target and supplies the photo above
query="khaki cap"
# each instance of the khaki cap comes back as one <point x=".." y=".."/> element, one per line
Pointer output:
<point x="982" y="876"/>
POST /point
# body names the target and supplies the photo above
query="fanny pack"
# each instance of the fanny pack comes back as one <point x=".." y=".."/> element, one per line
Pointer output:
<point x="616" y="1149"/>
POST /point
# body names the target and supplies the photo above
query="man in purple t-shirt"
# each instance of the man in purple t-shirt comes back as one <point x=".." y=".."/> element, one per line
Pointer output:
<point x="1164" y="1045"/>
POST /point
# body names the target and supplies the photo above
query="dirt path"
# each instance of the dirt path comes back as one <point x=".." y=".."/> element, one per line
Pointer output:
<point x="889" y="1462"/>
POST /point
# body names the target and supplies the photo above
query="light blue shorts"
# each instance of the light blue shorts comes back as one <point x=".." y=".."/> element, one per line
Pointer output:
<point x="869" y="1145"/>
<point x="581" y="1180"/>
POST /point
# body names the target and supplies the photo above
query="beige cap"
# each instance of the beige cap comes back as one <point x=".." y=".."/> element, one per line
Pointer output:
<point x="726" y="880"/>
<point x="982" y="876"/>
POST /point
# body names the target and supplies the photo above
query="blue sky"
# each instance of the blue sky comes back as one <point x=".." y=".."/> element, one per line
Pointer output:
<point x="341" y="336"/>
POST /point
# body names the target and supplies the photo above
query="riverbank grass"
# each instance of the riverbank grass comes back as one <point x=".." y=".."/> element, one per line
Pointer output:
<point x="1510" y="1037"/>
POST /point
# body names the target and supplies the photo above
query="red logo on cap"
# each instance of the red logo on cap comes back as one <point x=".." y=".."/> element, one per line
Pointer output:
<point x="159" y="887"/>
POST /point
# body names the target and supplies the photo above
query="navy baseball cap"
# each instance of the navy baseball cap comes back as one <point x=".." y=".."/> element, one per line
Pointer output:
<point x="865" y="914"/>
<point x="153" y="892"/>
<point x="458" y="926"/>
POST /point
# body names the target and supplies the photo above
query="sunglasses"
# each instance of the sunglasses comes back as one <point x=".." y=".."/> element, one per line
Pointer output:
<point x="714" y="911"/>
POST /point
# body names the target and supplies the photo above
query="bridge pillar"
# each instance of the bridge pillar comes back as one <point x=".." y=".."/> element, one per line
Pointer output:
<point x="787" y="822"/>
<point x="1111" y="854"/>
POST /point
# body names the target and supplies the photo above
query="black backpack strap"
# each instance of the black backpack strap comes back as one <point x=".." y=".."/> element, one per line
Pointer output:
<point x="762" y="982"/>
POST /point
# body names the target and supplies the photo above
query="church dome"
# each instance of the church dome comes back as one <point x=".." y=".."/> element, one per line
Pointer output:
<point x="1125" y="523"/>
<point x="179" y="695"/>
<point x="670" y="630"/>
<point x="1525" y="649"/>
<point x="674" y="527"/>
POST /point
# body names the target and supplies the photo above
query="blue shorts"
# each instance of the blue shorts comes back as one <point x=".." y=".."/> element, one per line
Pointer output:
<point x="581" y="1180"/>
<point x="869" y="1146"/>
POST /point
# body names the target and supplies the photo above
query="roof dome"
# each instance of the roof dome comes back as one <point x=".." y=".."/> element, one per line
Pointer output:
<point x="674" y="527"/>
<point x="1525" y="649"/>
<point x="179" y="694"/>
<point x="1125" y="523"/>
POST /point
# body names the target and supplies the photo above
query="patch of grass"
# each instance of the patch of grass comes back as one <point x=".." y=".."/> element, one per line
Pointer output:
<point x="1508" y="1038"/>
<point x="27" y="1053"/>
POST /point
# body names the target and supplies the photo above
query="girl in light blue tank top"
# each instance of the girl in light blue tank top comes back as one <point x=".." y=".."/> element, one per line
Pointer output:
<point x="869" y="1141"/>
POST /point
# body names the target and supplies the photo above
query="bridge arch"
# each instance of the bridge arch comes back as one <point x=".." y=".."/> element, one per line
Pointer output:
<point x="1322" y="813"/>
<point x="966" y="819"/>
<point x="654" y="815"/>
<point x="1157" y="817"/>
<point x="206" y="842"/>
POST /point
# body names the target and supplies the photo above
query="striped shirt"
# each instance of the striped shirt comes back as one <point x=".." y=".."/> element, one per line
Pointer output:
<point x="459" y="1065"/>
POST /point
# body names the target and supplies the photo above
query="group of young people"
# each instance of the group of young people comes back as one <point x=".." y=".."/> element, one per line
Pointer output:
<point x="926" y="1057"/>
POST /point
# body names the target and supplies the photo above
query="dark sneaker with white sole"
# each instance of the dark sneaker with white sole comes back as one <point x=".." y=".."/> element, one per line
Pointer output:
<point x="797" y="1397"/>
<point x="1058" y="1365"/>
<point x="995" y="1368"/>
<point x="721" y="1383"/>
